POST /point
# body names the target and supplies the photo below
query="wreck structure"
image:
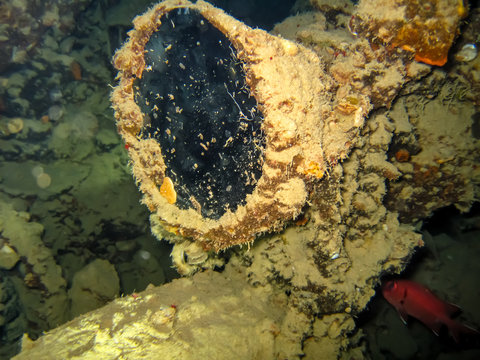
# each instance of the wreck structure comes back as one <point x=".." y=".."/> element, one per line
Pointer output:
<point x="289" y="169"/>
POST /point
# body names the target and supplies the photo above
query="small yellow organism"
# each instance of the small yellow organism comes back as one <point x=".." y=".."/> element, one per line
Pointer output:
<point x="314" y="169"/>
<point x="167" y="190"/>
<point x="462" y="9"/>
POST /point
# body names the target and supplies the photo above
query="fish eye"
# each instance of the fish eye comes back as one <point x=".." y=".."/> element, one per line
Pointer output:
<point x="390" y="285"/>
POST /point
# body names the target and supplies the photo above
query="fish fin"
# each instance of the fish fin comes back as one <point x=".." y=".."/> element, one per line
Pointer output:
<point x="436" y="327"/>
<point x="452" y="309"/>
<point x="403" y="315"/>
<point x="457" y="329"/>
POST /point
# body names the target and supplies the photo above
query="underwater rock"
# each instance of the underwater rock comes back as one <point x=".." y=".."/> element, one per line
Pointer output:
<point x="15" y="125"/>
<point x="24" y="23"/>
<point x="62" y="175"/>
<point x="222" y="150"/>
<point x="107" y="139"/>
<point x="55" y="95"/>
<point x="11" y="126"/>
<point x="73" y="137"/>
<point x="93" y="286"/>
<point x="55" y="112"/>
<point x="39" y="283"/>
<point x="8" y="257"/>
<point x="12" y="319"/>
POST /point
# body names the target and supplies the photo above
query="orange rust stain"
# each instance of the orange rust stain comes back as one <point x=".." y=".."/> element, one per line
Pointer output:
<point x="422" y="175"/>
<point x="302" y="220"/>
<point x="402" y="155"/>
<point x="427" y="30"/>
<point x="431" y="172"/>
<point x="431" y="61"/>
<point x="416" y="37"/>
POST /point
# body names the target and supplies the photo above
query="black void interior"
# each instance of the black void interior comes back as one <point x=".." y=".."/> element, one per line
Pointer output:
<point x="194" y="95"/>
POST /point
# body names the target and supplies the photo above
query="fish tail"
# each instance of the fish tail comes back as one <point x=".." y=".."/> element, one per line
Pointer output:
<point x="458" y="330"/>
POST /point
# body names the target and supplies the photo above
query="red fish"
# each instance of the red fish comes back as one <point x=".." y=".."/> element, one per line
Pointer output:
<point x="411" y="298"/>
